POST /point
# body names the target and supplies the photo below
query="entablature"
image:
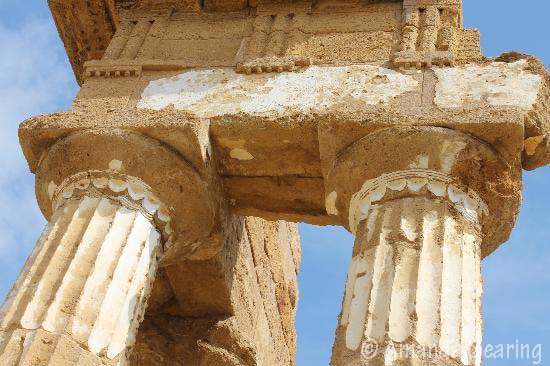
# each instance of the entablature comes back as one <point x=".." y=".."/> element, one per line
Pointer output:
<point x="106" y="38"/>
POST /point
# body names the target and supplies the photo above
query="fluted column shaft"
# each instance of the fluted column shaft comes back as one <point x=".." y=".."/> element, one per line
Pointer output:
<point x="413" y="294"/>
<point x="425" y="204"/>
<point x="83" y="291"/>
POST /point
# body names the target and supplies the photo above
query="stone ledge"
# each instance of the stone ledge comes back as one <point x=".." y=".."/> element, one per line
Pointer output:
<point x="282" y="132"/>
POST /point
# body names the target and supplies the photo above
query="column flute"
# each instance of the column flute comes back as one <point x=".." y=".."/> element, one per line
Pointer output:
<point x="424" y="215"/>
<point x="115" y="201"/>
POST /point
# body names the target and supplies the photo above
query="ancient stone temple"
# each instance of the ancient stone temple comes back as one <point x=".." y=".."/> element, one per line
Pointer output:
<point x="205" y="129"/>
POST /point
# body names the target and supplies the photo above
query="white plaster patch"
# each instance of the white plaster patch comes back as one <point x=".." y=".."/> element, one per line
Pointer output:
<point x="362" y="277"/>
<point x="449" y="154"/>
<point x="470" y="268"/>
<point x="499" y="84"/>
<point x="241" y="154"/>
<point x="408" y="226"/>
<point x="468" y="203"/>
<point x="215" y="92"/>
<point x="115" y="165"/>
<point x="100" y="182"/>
<point x="330" y="203"/>
<point x="118" y="185"/>
<point x="422" y="162"/>
<point x="451" y="291"/>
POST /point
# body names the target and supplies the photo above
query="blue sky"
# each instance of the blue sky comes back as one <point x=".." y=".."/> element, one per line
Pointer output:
<point x="35" y="78"/>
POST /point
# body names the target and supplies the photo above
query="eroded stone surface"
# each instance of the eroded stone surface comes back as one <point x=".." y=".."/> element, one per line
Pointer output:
<point x="419" y="293"/>
<point x="216" y="92"/>
<point x="245" y="319"/>
<point x="414" y="289"/>
<point x="88" y="279"/>
<point x="498" y="84"/>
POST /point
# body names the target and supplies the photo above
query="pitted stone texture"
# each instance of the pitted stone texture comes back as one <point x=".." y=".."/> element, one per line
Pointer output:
<point x="429" y="160"/>
<point x="283" y="156"/>
<point x="497" y="83"/>
<point x="86" y="28"/>
<point x="216" y="92"/>
<point x="164" y="175"/>
<point x="87" y="280"/>
<point x="236" y="308"/>
<point x="40" y="347"/>
<point x="414" y="288"/>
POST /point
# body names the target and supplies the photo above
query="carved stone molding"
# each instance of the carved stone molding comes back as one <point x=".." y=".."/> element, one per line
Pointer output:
<point x="465" y="201"/>
<point x="437" y="163"/>
<point x="128" y="191"/>
<point x="84" y="289"/>
<point x="432" y="34"/>
<point x="125" y="165"/>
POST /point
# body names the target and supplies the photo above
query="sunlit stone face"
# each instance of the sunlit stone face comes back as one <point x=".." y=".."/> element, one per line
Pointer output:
<point x="222" y="91"/>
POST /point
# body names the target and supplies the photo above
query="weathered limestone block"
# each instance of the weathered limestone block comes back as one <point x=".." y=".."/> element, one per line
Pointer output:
<point x="86" y="27"/>
<point x="254" y="325"/>
<point x="424" y="215"/>
<point x="274" y="136"/>
<point x="128" y="38"/>
<point x="123" y="156"/>
<point x="432" y="34"/>
<point x="536" y="152"/>
<point x="40" y="347"/>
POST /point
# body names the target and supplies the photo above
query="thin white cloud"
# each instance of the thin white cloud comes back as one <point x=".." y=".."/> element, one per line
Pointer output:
<point x="35" y="78"/>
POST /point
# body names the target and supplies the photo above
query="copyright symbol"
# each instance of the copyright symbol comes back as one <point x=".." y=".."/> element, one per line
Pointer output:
<point x="369" y="350"/>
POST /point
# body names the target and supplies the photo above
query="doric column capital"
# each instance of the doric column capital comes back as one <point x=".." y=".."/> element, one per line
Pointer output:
<point x="134" y="170"/>
<point x="436" y="162"/>
<point x="116" y="202"/>
<point x="413" y="182"/>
